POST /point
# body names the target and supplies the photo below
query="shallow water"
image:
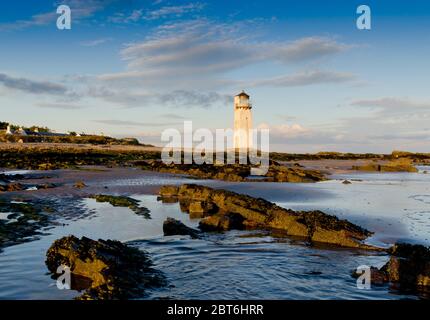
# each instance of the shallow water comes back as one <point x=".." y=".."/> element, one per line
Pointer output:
<point x="241" y="264"/>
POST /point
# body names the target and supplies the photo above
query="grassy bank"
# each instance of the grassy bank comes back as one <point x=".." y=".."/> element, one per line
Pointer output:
<point x="47" y="157"/>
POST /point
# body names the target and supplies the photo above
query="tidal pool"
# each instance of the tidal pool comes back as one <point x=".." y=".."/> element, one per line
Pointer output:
<point x="241" y="264"/>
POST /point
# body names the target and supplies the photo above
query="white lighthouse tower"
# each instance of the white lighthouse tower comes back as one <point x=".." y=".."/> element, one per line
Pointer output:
<point x="242" y="122"/>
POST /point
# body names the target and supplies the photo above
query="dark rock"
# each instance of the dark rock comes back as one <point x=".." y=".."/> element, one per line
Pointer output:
<point x="80" y="185"/>
<point x="106" y="269"/>
<point x="172" y="227"/>
<point x="8" y="183"/>
<point x="346" y="182"/>
<point x="122" y="201"/>
<point x="235" y="172"/>
<point x="409" y="265"/>
<point x="15" y="186"/>
<point x="408" y="268"/>
<point x="46" y="186"/>
<point x="229" y="210"/>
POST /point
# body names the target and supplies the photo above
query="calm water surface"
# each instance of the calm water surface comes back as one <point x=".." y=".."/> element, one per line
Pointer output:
<point x="242" y="264"/>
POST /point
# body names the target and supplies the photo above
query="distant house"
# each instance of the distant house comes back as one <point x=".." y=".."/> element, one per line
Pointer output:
<point x="49" y="134"/>
<point x="22" y="132"/>
<point x="9" y="130"/>
<point x="26" y="132"/>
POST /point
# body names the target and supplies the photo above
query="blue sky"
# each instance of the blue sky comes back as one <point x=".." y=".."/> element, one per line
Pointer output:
<point x="134" y="68"/>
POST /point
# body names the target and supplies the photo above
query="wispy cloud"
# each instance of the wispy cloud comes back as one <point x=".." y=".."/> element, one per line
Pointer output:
<point x="201" y="53"/>
<point x="393" y="104"/>
<point x="60" y="106"/>
<point x="32" y="86"/>
<point x="176" y="11"/>
<point x="172" y="116"/>
<point x="305" y="79"/>
<point x="137" y="15"/>
<point x="94" y="43"/>
<point x="41" y="19"/>
<point x="135" y="123"/>
<point x="81" y="9"/>
<point x="121" y="17"/>
<point x="309" y="48"/>
<point x="168" y="99"/>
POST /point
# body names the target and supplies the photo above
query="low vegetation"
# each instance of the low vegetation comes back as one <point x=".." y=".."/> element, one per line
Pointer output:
<point x="398" y="165"/>
<point x="122" y="201"/>
<point x="49" y="158"/>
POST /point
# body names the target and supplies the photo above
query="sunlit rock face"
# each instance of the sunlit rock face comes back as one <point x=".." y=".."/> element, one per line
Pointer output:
<point x="223" y="210"/>
<point x="104" y="269"/>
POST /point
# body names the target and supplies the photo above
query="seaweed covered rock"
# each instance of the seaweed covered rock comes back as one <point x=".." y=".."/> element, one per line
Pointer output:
<point x="279" y="173"/>
<point x="172" y="227"/>
<point x="235" y="172"/>
<point x="21" y="222"/>
<point x="228" y="210"/>
<point x="398" y="165"/>
<point x="9" y="183"/>
<point x="122" y="201"/>
<point x="79" y="185"/>
<point x="106" y="269"/>
<point x="12" y="186"/>
<point x="408" y="268"/>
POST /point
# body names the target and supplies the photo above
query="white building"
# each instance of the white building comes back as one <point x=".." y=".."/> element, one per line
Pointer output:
<point x="9" y="130"/>
<point x="242" y="122"/>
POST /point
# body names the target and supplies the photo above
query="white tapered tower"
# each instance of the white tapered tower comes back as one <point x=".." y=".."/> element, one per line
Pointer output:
<point x="242" y="122"/>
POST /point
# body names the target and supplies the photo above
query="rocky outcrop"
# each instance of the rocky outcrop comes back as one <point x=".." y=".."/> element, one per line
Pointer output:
<point x="122" y="201"/>
<point x="399" y="165"/>
<point x="279" y="173"/>
<point x="408" y="268"/>
<point x="235" y="172"/>
<point x="173" y="227"/>
<point x="105" y="269"/>
<point x="79" y="185"/>
<point x="10" y="187"/>
<point x="9" y="183"/>
<point x="225" y="210"/>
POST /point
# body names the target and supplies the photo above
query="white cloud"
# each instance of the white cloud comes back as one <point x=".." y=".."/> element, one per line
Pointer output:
<point x="306" y="78"/>
<point x="200" y="54"/>
<point x="285" y="130"/>
<point x="393" y="104"/>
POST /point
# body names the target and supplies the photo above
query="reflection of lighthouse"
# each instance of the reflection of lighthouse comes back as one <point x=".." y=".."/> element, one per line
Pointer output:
<point x="242" y="122"/>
